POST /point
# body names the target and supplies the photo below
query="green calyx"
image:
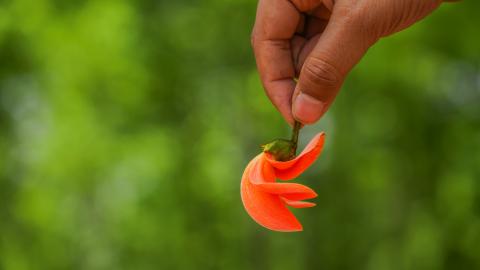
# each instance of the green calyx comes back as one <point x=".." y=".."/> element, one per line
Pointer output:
<point x="282" y="149"/>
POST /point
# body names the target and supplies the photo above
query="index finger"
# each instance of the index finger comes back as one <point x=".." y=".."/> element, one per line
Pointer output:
<point x="275" y="25"/>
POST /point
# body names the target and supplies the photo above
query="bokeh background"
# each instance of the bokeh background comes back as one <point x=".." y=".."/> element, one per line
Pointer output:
<point x="125" y="127"/>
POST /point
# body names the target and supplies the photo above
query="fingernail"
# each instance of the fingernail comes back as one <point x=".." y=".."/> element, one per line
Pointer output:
<point x="307" y="109"/>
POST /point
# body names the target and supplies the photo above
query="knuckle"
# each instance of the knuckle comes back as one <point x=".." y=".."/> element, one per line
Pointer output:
<point x="319" y="73"/>
<point x="347" y="14"/>
<point x="357" y="21"/>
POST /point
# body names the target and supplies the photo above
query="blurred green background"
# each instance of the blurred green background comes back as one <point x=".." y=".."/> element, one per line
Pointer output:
<point x="125" y="127"/>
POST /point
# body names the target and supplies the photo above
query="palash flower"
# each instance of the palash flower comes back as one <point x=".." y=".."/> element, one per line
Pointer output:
<point x="266" y="200"/>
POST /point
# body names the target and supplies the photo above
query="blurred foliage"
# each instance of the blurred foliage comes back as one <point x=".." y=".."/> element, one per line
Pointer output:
<point x="125" y="127"/>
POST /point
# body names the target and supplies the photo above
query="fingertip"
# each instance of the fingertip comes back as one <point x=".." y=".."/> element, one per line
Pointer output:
<point x="307" y="109"/>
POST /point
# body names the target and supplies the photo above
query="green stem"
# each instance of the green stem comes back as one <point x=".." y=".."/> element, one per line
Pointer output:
<point x="296" y="129"/>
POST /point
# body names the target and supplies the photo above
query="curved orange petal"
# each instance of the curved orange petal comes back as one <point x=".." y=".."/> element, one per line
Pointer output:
<point x="297" y="204"/>
<point x="261" y="171"/>
<point x="289" y="190"/>
<point x="281" y="165"/>
<point x="266" y="209"/>
<point x="299" y="196"/>
<point x="286" y="170"/>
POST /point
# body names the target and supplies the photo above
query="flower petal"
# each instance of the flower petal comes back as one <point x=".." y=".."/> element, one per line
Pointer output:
<point x="280" y="165"/>
<point x="261" y="171"/>
<point x="286" y="170"/>
<point x="297" y="204"/>
<point x="299" y="196"/>
<point x="292" y="191"/>
<point x="266" y="209"/>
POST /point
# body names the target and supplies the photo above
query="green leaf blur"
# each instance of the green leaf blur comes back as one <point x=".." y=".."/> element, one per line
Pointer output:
<point x="125" y="127"/>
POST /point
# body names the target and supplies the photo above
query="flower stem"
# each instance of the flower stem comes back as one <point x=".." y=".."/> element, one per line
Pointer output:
<point x="296" y="129"/>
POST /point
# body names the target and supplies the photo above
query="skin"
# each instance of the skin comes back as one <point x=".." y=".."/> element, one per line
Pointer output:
<point x="319" y="42"/>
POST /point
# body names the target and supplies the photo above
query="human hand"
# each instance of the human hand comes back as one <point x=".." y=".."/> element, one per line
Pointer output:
<point x="320" y="41"/>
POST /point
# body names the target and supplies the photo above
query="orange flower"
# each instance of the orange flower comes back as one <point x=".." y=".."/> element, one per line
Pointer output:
<point x="265" y="199"/>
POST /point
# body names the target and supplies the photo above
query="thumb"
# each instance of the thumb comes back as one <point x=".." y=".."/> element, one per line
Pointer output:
<point x="341" y="46"/>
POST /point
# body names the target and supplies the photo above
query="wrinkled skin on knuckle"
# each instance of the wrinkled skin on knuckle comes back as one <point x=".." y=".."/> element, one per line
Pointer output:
<point x="361" y="19"/>
<point x="354" y="19"/>
<point x="414" y="11"/>
<point x="382" y="18"/>
<point x="317" y="74"/>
